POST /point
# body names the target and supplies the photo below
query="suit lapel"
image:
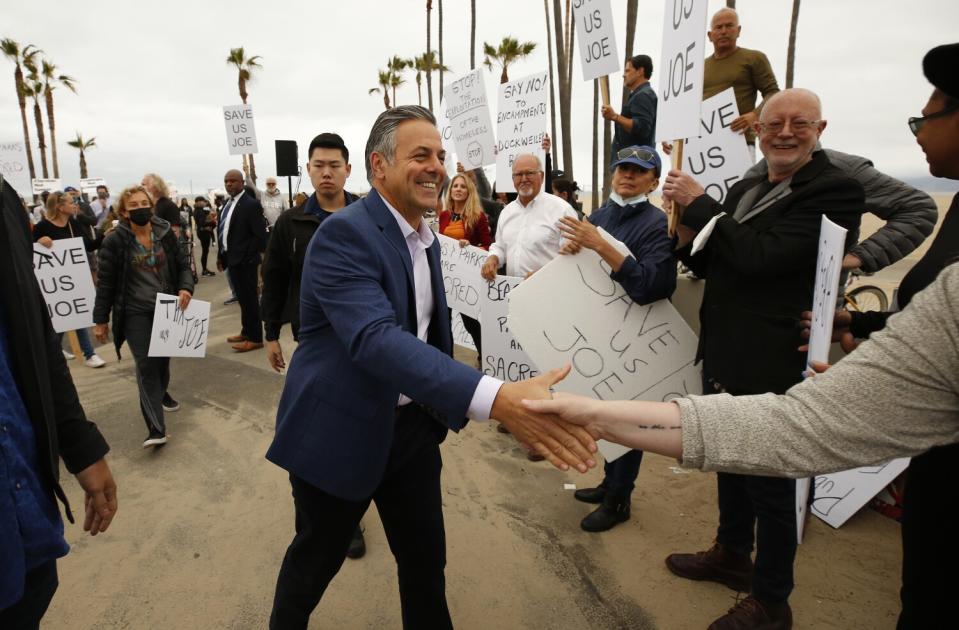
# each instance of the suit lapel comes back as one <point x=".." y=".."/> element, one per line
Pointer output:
<point x="440" y="333"/>
<point x="387" y="224"/>
<point x="781" y="190"/>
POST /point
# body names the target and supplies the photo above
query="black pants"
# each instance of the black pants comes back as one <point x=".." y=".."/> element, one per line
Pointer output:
<point x="205" y="239"/>
<point x="410" y="505"/>
<point x="153" y="373"/>
<point x="244" y="277"/>
<point x="40" y="585"/>
<point x="620" y="477"/>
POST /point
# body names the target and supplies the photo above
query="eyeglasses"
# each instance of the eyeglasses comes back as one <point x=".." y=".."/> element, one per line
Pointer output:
<point x="916" y="123"/>
<point x="642" y="154"/>
<point x="797" y="126"/>
<point x="526" y="174"/>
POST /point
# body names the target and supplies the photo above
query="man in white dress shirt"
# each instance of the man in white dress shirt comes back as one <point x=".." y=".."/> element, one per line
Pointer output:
<point x="527" y="236"/>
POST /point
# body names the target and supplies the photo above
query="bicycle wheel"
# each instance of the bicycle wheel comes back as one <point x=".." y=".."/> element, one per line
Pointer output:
<point x="868" y="298"/>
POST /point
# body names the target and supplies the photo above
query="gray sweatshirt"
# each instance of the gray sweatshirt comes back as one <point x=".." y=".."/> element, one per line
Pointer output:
<point x="897" y="395"/>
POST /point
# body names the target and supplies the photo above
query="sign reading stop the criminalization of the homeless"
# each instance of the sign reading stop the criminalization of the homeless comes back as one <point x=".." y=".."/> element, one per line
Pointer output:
<point x="468" y="112"/>
<point x="571" y="311"/>
<point x="520" y="124"/>
<point x="596" y="38"/>
<point x="179" y="333"/>
<point x="240" y="132"/>
<point x="681" y="69"/>
<point x="461" y="275"/>
<point x="718" y="158"/>
<point x="14" y="166"/>
<point x="503" y="356"/>
<point x="67" y="285"/>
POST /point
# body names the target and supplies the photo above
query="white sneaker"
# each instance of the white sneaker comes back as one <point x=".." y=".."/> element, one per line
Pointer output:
<point x="154" y="440"/>
<point x="95" y="362"/>
<point x="69" y="355"/>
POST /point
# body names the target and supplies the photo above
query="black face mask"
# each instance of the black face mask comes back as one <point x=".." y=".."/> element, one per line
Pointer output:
<point x="141" y="216"/>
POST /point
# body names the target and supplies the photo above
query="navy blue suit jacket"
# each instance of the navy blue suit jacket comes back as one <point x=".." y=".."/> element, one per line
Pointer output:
<point x="358" y="351"/>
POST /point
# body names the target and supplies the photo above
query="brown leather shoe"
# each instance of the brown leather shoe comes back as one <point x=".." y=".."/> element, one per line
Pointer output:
<point x="715" y="565"/>
<point x="750" y="613"/>
<point x="236" y="339"/>
<point x="534" y="456"/>
<point x="246" y="346"/>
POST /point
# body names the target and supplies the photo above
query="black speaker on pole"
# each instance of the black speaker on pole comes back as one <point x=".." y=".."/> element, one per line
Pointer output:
<point x="286" y="158"/>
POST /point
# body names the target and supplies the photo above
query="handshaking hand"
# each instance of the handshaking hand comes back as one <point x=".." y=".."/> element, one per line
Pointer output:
<point x="560" y="442"/>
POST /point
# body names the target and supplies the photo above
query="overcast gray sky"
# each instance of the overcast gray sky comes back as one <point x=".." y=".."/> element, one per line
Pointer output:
<point x="152" y="77"/>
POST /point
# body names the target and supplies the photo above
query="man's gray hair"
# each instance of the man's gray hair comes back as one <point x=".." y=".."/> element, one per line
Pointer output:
<point x="382" y="138"/>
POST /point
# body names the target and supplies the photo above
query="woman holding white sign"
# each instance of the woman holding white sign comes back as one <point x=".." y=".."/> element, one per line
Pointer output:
<point x="463" y="219"/>
<point x="139" y="259"/>
<point x="60" y="222"/>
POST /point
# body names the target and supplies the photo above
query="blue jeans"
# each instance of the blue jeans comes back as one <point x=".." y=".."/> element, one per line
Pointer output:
<point x="40" y="585"/>
<point x="86" y="345"/>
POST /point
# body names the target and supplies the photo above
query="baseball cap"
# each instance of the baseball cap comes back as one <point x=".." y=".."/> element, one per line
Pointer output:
<point x="643" y="156"/>
<point x="70" y="189"/>
<point x="939" y="65"/>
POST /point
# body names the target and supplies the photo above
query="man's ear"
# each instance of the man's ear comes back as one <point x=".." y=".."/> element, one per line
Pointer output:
<point x="377" y="164"/>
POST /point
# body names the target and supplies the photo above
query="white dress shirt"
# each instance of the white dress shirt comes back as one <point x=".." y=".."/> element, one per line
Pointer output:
<point x="229" y="207"/>
<point x="527" y="237"/>
<point x="417" y="242"/>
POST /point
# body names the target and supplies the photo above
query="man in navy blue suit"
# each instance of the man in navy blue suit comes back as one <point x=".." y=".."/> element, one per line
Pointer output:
<point x="372" y="388"/>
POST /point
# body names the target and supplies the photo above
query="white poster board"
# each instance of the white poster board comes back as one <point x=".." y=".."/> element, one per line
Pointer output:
<point x="802" y="499"/>
<point x="681" y="69"/>
<point x="461" y="336"/>
<point x="46" y="185"/>
<point x="178" y="333"/>
<point x="832" y="244"/>
<point x="521" y="123"/>
<point x="571" y="311"/>
<point x="446" y="136"/>
<point x="596" y="38"/>
<point x="240" y="131"/>
<point x="718" y="158"/>
<point x="468" y="113"/>
<point x="63" y="273"/>
<point x="14" y="166"/>
<point x="89" y="185"/>
<point x="503" y="356"/>
<point x="840" y="495"/>
<point x="461" y="275"/>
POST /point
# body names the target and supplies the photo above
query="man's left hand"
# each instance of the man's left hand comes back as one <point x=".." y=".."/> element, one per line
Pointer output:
<point x="681" y="188"/>
<point x="582" y="233"/>
<point x="101" y="496"/>
<point x="562" y="443"/>
<point x="744" y="122"/>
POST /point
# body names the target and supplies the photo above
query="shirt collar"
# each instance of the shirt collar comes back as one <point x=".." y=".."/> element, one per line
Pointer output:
<point x="532" y="201"/>
<point x="424" y="234"/>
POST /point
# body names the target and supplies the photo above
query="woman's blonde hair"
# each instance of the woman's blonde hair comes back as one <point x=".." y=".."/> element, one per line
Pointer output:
<point x="124" y="199"/>
<point x="157" y="182"/>
<point x="471" y="207"/>
<point x="52" y="208"/>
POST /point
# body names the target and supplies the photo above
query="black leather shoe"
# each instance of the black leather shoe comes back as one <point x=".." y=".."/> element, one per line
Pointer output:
<point x="605" y="517"/>
<point x="590" y="495"/>
<point x="357" y="548"/>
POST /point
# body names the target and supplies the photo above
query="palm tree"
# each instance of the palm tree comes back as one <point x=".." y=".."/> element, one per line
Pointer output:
<point x="50" y="79"/>
<point x="383" y="86"/>
<point x="396" y="66"/>
<point x="33" y="88"/>
<point x="83" y="145"/>
<point x="245" y="67"/>
<point x="509" y="51"/>
<point x="429" y="48"/>
<point x="564" y="88"/>
<point x="472" y="35"/>
<point x="791" y="51"/>
<point x="425" y="63"/>
<point x="552" y="82"/>
<point x="440" y="3"/>
<point x="12" y="51"/>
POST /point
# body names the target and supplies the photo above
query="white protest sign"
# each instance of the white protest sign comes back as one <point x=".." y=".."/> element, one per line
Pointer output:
<point x="503" y="356"/>
<point x="571" y="311"/>
<point x="840" y="495"/>
<point x="802" y="499"/>
<point x="46" y="185"/>
<point x="14" y="166"/>
<point x="446" y="136"/>
<point x="461" y="336"/>
<point x="521" y="123"/>
<point x="240" y="132"/>
<point x="468" y="113"/>
<point x="178" y="333"/>
<point x="832" y="244"/>
<point x="681" y="69"/>
<point x="718" y="158"/>
<point x="63" y="274"/>
<point x="461" y="275"/>
<point x="89" y="184"/>
<point x="596" y="38"/>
